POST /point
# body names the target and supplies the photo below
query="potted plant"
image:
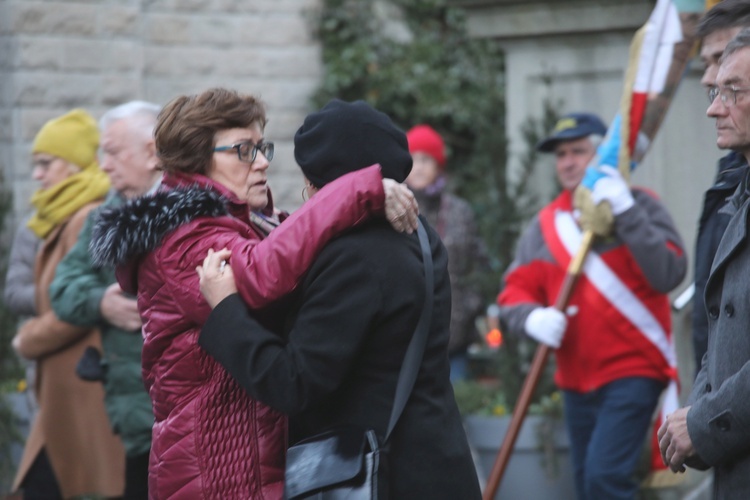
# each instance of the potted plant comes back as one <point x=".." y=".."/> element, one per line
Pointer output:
<point x="15" y="420"/>
<point x="540" y="465"/>
<point x="12" y="429"/>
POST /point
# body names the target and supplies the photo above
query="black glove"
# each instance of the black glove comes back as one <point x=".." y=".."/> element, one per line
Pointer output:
<point x="90" y="367"/>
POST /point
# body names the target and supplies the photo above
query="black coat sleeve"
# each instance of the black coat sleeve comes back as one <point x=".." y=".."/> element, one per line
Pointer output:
<point x="340" y="299"/>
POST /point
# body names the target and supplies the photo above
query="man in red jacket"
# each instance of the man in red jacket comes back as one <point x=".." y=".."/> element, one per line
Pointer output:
<point x="612" y="343"/>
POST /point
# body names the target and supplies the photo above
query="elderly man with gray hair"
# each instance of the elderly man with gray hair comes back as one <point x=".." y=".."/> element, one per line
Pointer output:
<point x="713" y="429"/>
<point x="717" y="27"/>
<point x="85" y="295"/>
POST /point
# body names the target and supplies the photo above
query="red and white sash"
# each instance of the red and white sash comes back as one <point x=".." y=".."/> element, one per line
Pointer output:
<point x="609" y="285"/>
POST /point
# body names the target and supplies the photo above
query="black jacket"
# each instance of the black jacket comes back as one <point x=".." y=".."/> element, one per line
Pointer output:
<point x="340" y="357"/>
<point x="713" y="221"/>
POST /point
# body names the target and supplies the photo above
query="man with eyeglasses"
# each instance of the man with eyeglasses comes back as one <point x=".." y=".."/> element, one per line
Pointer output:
<point x="718" y="26"/>
<point x="713" y="430"/>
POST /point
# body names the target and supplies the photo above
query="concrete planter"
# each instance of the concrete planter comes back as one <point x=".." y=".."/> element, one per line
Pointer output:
<point x="538" y="470"/>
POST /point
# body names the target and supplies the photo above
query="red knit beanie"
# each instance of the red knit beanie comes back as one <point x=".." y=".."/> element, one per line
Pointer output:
<point x="424" y="139"/>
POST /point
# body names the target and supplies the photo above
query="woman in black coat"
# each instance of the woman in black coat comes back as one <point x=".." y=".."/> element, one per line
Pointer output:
<point x="337" y="358"/>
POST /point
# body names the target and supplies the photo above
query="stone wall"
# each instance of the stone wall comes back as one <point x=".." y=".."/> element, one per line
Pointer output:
<point x="574" y="53"/>
<point x="56" y="55"/>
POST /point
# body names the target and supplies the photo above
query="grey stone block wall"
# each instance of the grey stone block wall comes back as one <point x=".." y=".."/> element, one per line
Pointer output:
<point x="59" y="54"/>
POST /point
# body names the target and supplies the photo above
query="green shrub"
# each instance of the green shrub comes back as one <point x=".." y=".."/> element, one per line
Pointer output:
<point x="10" y="369"/>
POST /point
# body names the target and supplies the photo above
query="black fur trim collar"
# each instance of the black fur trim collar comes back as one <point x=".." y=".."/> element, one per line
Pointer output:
<point x="130" y="231"/>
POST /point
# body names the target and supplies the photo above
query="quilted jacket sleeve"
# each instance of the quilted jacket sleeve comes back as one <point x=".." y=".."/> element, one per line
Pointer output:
<point x="322" y="346"/>
<point x="19" y="282"/>
<point x="269" y="269"/>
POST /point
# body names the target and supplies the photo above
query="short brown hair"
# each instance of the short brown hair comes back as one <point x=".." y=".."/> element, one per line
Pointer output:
<point x="724" y="15"/>
<point x="186" y="126"/>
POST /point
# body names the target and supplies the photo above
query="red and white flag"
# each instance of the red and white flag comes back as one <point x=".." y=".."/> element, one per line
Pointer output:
<point x="658" y="57"/>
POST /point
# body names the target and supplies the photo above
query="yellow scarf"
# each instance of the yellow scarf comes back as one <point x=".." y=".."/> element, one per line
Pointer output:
<point x="56" y="204"/>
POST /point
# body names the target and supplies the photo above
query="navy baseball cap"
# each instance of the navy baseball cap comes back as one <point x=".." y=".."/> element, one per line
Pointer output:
<point x="572" y="126"/>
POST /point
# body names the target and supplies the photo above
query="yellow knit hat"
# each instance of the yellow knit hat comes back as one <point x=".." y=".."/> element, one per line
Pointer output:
<point x="74" y="137"/>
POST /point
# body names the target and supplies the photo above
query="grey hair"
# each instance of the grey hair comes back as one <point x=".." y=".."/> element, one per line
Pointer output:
<point x="596" y="139"/>
<point x="147" y="113"/>
<point x="741" y="41"/>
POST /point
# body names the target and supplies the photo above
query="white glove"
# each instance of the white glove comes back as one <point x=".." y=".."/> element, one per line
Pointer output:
<point x="613" y="189"/>
<point x="546" y="325"/>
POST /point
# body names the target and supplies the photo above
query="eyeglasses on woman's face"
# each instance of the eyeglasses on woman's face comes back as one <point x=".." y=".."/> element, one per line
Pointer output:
<point x="247" y="151"/>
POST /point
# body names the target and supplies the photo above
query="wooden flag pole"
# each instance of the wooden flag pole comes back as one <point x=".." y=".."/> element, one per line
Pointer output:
<point x="535" y="372"/>
<point x="655" y="110"/>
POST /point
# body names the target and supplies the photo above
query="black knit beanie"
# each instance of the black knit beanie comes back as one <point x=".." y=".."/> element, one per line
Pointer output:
<point x="347" y="136"/>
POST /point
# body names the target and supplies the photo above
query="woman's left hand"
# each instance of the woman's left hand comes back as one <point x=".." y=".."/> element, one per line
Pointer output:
<point x="401" y="208"/>
<point x="216" y="277"/>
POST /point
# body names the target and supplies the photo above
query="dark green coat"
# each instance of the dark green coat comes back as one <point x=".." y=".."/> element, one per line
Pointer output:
<point x="76" y="293"/>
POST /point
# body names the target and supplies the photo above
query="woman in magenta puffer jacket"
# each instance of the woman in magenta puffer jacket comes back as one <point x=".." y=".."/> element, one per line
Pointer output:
<point x="210" y="440"/>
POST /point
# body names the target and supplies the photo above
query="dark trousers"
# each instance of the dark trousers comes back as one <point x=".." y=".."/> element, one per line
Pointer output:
<point x="40" y="482"/>
<point x="136" y="477"/>
<point x="607" y="429"/>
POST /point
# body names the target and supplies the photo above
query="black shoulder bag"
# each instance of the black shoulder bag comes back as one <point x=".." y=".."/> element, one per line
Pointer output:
<point x="347" y="462"/>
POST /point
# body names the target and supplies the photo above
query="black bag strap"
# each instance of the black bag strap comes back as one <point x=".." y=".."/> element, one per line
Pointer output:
<point x="413" y="358"/>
